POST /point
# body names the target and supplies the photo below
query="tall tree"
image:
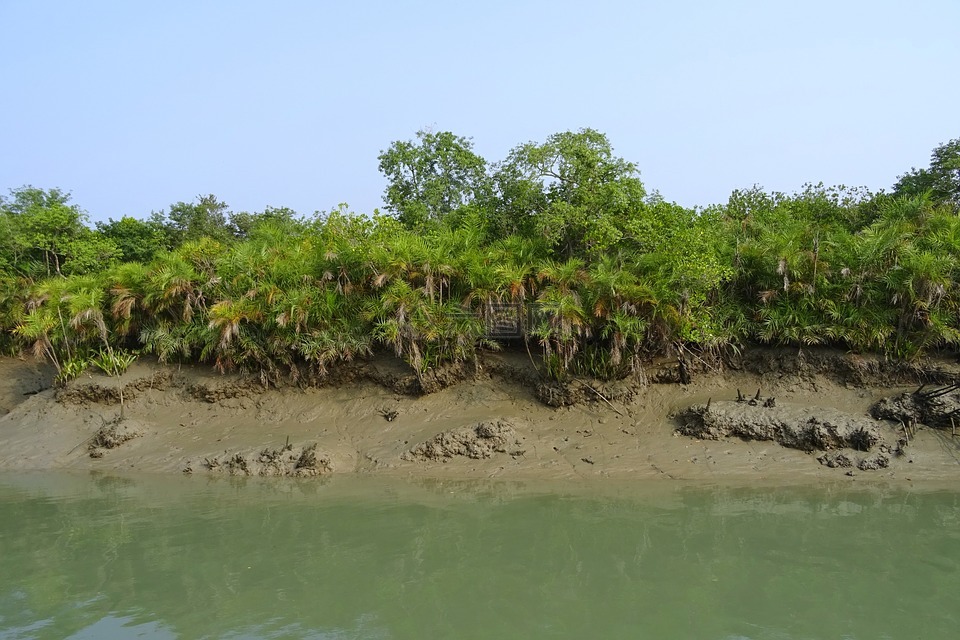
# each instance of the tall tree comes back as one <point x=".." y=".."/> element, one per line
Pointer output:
<point x="44" y="234"/>
<point x="431" y="177"/>
<point x="941" y="178"/>
<point x="138" y="240"/>
<point x="573" y="190"/>
<point x="205" y="218"/>
<point x="243" y="224"/>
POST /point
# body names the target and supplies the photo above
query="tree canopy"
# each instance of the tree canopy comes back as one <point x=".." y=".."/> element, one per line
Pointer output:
<point x="560" y="242"/>
<point x="941" y="179"/>
<point x="431" y="177"/>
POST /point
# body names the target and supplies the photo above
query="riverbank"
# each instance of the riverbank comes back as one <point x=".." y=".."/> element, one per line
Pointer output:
<point x="492" y="423"/>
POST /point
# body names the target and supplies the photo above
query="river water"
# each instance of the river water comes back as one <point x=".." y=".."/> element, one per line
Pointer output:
<point x="99" y="557"/>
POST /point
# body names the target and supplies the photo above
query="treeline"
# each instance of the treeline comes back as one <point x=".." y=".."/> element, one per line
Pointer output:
<point x="561" y="237"/>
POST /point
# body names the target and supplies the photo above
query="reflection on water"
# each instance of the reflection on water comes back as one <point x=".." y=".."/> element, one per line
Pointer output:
<point x="107" y="557"/>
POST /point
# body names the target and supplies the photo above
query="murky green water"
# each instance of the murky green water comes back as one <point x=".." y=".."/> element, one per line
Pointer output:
<point x="105" y="557"/>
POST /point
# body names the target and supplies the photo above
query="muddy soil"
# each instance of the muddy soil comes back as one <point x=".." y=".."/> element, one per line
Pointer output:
<point x="937" y="407"/>
<point x="796" y="426"/>
<point x="20" y="379"/>
<point x="113" y="434"/>
<point x="106" y="391"/>
<point x="374" y="417"/>
<point x="477" y="442"/>
<point x="843" y="438"/>
<point x="846" y="369"/>
<point x="286" y="461"/>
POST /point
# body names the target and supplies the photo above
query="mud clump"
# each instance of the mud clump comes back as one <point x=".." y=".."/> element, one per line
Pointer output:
<point x="477" y="442"/>
<point x="855" y="370"/>
<point x="874" y="463"/>
<point x="795" y="427"/>
<point x="82" y="392"/>
<point x="287" y="461"/>
<point x="835" y="460"/>
<point x="439" y="378"/>
<point x="523" y="375"/>
<point x="840" y="460"/>
<point x="403" y="381"/>
<point x="937" y="408"/>
<point x="235" y="465"/>
<point x="160" y="381"/>
<point x="113" y="434"/>
<point x="308" y="464"/>
<point x="91" y="394"/>
<point x="217" y="393"/>
<point x="575" y="392"/>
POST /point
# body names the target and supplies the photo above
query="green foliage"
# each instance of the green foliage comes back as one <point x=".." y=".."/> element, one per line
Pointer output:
<point x="941" y="179"/>
<point x="113" y="362"/>
<point x="71" y="370"/>
<point x="823" y="273"/>
<point x="561" y="236"/>
<point x="431" y="177"/>
<point x="269" y="221"/>
<point x="137" y="240"/>
<point x="44" y="235"/>
<point x="571" y="190"/>
<point x="193" y="221"/>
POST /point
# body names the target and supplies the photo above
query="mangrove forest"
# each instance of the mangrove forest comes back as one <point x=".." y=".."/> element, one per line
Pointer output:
<point x="559" y="250"/>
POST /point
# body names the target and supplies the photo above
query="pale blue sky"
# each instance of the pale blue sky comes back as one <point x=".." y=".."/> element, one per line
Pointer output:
<point x="134" y="105"/>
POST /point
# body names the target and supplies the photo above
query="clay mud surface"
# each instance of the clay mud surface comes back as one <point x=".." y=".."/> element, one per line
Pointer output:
<point x="936" y="407"/>
<point x="495" y="418"/>
<point x="845" y="436"/>
<point x="288" y="460"/>
<point x="477" y="442"/>
<point x="113" y="434"/>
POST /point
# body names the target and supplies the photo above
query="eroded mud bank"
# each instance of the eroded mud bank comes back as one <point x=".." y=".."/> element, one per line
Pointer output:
<point x="812" y="420"/>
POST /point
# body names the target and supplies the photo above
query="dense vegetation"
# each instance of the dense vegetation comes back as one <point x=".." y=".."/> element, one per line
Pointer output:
<point x="561" y="238"/>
